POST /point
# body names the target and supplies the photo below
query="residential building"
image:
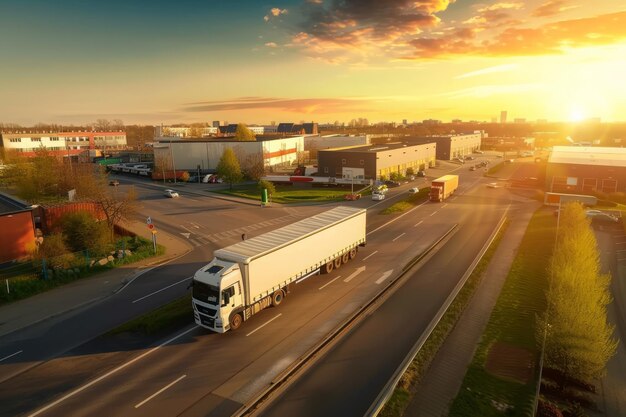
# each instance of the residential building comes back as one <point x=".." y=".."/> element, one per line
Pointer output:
<point x="63" y="143"/>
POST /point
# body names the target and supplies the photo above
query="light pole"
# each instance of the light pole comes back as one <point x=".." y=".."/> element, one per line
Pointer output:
<point x="173" y="163"/>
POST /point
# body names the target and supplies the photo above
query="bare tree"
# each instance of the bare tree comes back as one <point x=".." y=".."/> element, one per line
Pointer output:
<point x="102" y="125"/>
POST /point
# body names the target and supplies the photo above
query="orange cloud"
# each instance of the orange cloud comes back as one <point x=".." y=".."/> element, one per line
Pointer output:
<point x="550" y="38"/>
<point x="552" y="7"/>
<point x="320" y="105"/>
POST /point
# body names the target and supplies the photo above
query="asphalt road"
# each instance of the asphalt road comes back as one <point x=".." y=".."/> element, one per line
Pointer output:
<point x="220" y="372"/>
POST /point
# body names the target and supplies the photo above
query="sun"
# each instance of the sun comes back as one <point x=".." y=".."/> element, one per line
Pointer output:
<point x="577" y="114"/>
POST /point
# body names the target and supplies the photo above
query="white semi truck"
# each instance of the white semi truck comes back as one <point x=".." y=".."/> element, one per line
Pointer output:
<point x="251" y="275"/>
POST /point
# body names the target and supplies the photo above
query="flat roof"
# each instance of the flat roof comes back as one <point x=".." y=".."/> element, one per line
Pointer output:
<point x="377" y="148"/>
<point x="10" y="205"/>
<point x="588" y="155"/>
<point x="259" y="138"/>
<point x="258" y="246"/>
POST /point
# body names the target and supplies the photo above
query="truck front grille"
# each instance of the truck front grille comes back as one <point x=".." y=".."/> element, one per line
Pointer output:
<point x="205" y="310"/>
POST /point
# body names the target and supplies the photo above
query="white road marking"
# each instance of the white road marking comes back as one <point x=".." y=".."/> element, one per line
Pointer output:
<point x="434" y="212"/>
<point x="159" y="391"/>
<point x="398" y="237"/>
<point x="11" y="355"/>
<point x="186" y="234"/>
<point x="384" y="277"/>
<point x="418" y="223"/>
<point x="396" y="219"/>
<point x="162" y="289"/>
<point x="265" y="324"/>
<point x="329" y="282"/>
<point x="453" y="198"/>
<point x="354" y="274"/>
<point x="444" y="205"/>
<point x="371" y="254"/>
<point x="119" y="368"/>
<point x="194" y="225"/>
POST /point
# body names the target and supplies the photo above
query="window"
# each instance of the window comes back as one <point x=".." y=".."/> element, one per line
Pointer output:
<point x="343" y="162"/>
<point x="16" y="140"/>
<point x="589" y="184"/>
<point x="362" y="162"/>
<point x="54" y="139"/>
<point x="325" y="170"/>
<point x="35" y="139"/>
<point x="609" y="186"/>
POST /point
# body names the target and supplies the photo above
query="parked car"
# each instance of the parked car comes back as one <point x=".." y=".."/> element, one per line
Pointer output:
<point x="170" y="194"/>
<point x="390" y="183"/>
<point x="478" y="151"/>
<point x="414" y="190"/>
<point x="114" y="183"/>
<point x="421" y="173"/>
<point x="460" y="160"/>
<point x="378" y="196"/>
<point x="600" y="215"/>
<point x="352" y="196"/>
<point x="411" y="177"/>
<point x="473" y="168"/>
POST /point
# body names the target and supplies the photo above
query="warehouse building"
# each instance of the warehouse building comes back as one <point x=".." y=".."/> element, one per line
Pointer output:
<point x="451" y="146"/>
<point x="375" y="161"/>
<point x="585" y="169"/>
<point x="205" y="154"/>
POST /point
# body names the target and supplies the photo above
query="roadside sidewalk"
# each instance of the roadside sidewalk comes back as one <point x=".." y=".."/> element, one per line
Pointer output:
<point x="444" y="377"/>
<point x="29" y="311"/>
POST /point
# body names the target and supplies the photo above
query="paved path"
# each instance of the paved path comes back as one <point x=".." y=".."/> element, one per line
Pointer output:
<point x="24" y="313"/>
<point x="445" y="375"/>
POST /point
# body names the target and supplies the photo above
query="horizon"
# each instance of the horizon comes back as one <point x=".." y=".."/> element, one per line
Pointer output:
<point x="324" y="61"/>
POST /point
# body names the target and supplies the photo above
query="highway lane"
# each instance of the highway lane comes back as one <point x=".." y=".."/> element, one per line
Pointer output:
<point x="349" y="377"/>
<point x="229" y="370"/>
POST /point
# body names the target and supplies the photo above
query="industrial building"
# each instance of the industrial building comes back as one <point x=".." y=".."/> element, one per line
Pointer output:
<point x="63" y="143"/>
<point x="375" y="161"/>
<point x="451" y="146"/>
<point x="204" y="154"/>
<point x="585" y="169"/>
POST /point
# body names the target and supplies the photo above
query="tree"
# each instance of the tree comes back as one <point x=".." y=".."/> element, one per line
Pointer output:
<point x="578" y="339"/>
<point x="254" y="168"/>
<point x="83" y="231"/>
<point x="102" y="125"/>
<point x="243" y="133"/>
<point x="228" y="168"/>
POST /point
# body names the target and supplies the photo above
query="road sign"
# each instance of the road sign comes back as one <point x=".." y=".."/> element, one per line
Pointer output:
<point x="150" y="226"/>
<point x="154" y="232"/>
<point x="149" y="220"/>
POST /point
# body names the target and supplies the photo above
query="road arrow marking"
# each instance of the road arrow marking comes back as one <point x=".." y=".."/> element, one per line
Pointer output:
<point x="384" y="277"/>
<point x="186" y="234"/>
<point x="354" y="274"/>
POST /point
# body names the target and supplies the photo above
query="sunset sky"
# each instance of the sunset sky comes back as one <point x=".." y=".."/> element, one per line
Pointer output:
<point x="73" y="61"/>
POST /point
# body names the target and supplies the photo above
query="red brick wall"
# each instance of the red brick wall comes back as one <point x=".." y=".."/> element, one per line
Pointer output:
<point x="52" y="214"/>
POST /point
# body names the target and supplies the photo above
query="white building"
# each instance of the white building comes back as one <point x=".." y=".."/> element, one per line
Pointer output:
<point x="63" y="143"/>
<point x="191" y="154"/>
<point x="317" y="142"/>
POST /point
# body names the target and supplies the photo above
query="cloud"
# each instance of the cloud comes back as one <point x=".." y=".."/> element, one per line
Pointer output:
<point x="274" y="12"/>
<point x="271" y="44"/>
<point x="308" y="105"/>
<point x="482" y="91"/>
<point x="502" y="6"/>
<point x="489" y="70"/>
<point x="552" y="7"/>
<point x="551" y="38"/>
<point x="362" y="26"/>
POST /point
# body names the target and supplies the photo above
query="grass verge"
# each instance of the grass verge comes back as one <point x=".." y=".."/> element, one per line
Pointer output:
<point x="409" y="202"/>
<point x="512" y="323"/>
<point x="289" y="194"/>
<point x="403" y="394"/>
<point x="167" y="317"/>
<point x="28" y="281"/>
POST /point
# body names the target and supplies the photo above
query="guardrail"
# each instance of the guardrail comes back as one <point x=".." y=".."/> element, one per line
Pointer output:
<point x="284" y="376"/>
<point x="387" y="391"/>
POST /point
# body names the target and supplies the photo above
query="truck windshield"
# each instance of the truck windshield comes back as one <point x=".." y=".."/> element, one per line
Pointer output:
<point x="206" y="293"/>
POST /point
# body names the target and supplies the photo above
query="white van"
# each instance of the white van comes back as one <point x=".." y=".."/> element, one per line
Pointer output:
<point x="378" y="196"/>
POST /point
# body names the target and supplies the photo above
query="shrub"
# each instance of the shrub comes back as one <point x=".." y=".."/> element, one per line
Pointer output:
<point x="184" y="177"/>
<point x="546" y="409"/>
<point x="82" y="231"/>
<point x="410" y="171"/>
<point x="575" y="410"/>
<point x="267" y="185"/>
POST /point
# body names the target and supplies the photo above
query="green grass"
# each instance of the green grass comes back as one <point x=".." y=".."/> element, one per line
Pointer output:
<point x="169" y="316"/>
<point x="409" y="202"/>
<point x="289" y="194"/>
<point x="513" y="322"/>
<point x="30" y="282"/>
<point x="403" y="394"/>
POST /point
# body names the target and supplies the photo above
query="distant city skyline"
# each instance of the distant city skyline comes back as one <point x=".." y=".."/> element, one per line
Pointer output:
<point x="153" y="62"/>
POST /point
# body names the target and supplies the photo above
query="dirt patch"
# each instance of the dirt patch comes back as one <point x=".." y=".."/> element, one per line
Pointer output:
<point x="510" y="362"/>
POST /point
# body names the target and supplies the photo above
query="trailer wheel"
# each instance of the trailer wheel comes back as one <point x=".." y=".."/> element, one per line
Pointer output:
<point x="328" y="268"/>
<point x="345" y="258"/>
<point x="352" y="253"/>
<point x="277" y="298"/>
<point x="337" y="262"/>
<point x="235" y="321"/>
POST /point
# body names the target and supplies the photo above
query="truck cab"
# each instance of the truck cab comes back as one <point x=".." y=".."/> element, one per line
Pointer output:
<point x="217" y="295"/>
